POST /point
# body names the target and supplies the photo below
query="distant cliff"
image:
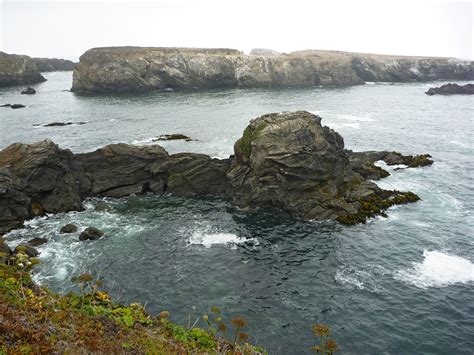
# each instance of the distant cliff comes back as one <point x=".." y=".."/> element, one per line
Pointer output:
<point x="126" y="69"/>
<point x="18" y="70"/>
<point x="53" y="64"/>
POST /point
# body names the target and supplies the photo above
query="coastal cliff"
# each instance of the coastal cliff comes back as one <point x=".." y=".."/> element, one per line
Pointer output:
<point x="18" y="70"/>
<point x="141" y="69"/>
<point x="53" y="64"/>
<point x="286" y="161"/>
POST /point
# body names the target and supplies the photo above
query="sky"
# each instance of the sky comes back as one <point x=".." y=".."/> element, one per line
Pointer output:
<point x="66" y="29"/>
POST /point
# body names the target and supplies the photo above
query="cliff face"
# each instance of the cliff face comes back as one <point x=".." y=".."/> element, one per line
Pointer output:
<point x="128" y="69"/>
<point x="18" y="70"/>
<point x="53" y="64"/>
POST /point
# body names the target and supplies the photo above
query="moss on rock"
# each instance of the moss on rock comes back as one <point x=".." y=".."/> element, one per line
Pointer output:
<point x="250" y="134"/>
<point x="376" y="205"/>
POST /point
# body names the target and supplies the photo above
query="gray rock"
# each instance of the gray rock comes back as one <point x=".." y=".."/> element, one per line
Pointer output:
<point x="28" y="91"/>
<point x="15" y="106"/>
<point x="128" y="69"/>
<point x="91" y="233"/>
<point x="53" y="64"/>
<point x="68" y="228"/>
<point x="452" y="89"/>
<point x="18" y="70"/>
<point x="37" y="241"/>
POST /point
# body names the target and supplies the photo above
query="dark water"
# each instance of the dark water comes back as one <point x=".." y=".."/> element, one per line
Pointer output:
<point x="398" y="285"/>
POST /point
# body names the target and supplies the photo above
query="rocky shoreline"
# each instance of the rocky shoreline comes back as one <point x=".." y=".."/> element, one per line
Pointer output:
<point x="287" y="161"/>
<point x="141" y="69"/>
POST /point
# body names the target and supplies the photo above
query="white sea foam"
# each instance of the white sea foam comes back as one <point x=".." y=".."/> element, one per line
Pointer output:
<point x="438" y="270"/>
<point x="209" y="239"/>
<point x="343" y="276"/>
<point x="355" y="118"/>
<point x="370" y="83"/>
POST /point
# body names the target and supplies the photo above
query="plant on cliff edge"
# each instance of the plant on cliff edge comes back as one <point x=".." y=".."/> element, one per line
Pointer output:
<point x="328" y="346"/>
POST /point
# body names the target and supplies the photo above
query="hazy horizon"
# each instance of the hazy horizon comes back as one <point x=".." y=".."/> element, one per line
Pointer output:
<point x="66" y="29"/>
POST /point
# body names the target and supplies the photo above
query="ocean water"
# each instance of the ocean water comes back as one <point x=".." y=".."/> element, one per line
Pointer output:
<point x="397" y="285"/>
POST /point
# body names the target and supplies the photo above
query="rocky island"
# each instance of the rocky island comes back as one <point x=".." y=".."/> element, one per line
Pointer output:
<point x="287" y="161"/>
<point x="140" y="69"/>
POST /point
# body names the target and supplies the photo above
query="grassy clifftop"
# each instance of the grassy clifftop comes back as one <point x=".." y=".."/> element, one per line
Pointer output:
<point x="35" y="320"/>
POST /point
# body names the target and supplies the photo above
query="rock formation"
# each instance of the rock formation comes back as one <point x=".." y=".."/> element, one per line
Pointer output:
<point x="18" y="70"/>
<point x="128" y="69"/>
<point x="287" y="161"/>
<point x="53" y="64"/>
<point x="452" y="89"/>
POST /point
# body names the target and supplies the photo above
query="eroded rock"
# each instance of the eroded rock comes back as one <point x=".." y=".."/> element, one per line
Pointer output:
<point x="68" y="228"/>
<point x="91" y="233"/>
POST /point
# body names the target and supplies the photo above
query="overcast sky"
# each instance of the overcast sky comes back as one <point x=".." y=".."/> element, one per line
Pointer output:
<point x="68" y="28"/>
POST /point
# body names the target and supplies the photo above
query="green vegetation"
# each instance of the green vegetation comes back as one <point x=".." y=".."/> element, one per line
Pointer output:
<point x="250" y="134"/>
<point x="374" y="205"/>
<point x="35" y="320"/>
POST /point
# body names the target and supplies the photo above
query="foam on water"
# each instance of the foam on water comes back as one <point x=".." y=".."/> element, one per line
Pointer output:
<point x="438" y="270"/>
<point x="210" y="239"/>
<point x="355" y="118"/>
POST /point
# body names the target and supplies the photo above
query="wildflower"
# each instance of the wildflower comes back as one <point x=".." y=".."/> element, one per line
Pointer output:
<point x="21" y="265"/>
<point x="239" y="322"/>
<point x="218" y="319"/>
<point x="221" y="327"/>
<point x="243" y="336"/>
<point x="321" y="330"/>
<point x="331" y="346"/>
<point x="28" y="263"/>
<point x="215" y="310"/>
<point x="205" y="317"/>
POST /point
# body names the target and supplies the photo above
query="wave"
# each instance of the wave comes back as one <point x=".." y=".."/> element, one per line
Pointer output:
<point x="210" y="239"/>
<point x="355" y="118"/>
<point x="438" y="270"/>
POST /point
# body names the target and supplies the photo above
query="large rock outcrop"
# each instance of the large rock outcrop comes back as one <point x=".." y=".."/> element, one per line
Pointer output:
<point x="42" y="178"/>
<point x="18" y="70"/>
<point x="128" y="69"/>
<point x="452" y="89"/>
<point x="287" y="161"/>
<point x="53" y="64"/>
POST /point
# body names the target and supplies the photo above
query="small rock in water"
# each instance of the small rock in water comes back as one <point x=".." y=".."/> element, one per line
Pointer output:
<point x="26" y="249"/>
<point x="28" y="91"/>
<point x="61" y="124"/>
<point x="6" y="105"/>
<point x="37" y="241"/>
<point x="68" y="228"/>
<point x="172" y="137"/>
<point x="91" y="233"/>
<point x="15" y="106"/>
<point x="102" y="207"/>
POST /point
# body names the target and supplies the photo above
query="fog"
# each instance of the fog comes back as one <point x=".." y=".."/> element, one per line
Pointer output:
<point x="67" y="29"/>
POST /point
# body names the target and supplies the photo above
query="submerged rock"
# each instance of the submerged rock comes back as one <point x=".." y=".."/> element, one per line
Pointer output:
<point x="37" y="241"/>
<point x="287" y="161"/>
<point x="62" y="124"/>
<point x="452" y="89"/>
<point x="68" y="228"/>
<point x="28" y="91"/>
<point x="91" y="233"/>
<point x="138" y="69"/>
<point x="172" y="137"/>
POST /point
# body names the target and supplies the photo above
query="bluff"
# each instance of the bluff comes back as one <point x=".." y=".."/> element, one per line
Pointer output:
<point x="285" y="161"/>
<point x="140" y="69"/>
<point x="18" y="70"/>
<point x="53" y="64"/>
